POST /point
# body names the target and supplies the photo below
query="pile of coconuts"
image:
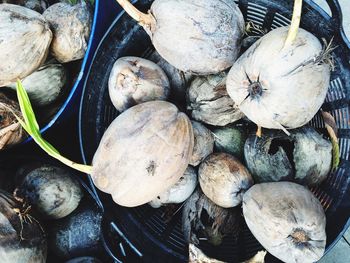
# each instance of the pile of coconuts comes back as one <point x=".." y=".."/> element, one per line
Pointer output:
<point x="42" y="44"/>
<point x="208" y="158"/>
<point x="46" y="214"/>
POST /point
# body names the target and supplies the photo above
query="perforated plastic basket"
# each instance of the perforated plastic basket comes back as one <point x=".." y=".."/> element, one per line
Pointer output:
<point x="142" y="232"/>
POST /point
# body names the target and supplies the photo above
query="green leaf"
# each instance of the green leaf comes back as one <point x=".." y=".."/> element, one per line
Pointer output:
<point x="31" y="126"/>
<point x="26" y="108"/>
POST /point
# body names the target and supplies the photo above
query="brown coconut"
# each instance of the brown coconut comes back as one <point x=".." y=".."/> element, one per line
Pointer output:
<point x="71" y="26"/>
<point x="134" y="80"/>
<point x="209" y="102"/>
<point x="203" y="143"/>
<point x="144" y="152"/>
<point x="201" y="37"/>
<point x="280" y="86"/>
<point x="25" y="38"/>
<point x="288" y="221"/>
<point x="224" y="179"/>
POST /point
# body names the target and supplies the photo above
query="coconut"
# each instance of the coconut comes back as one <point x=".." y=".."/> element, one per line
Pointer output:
<point x="278" y="85"/>
<point x="202" y="37"/>
<point x="304" y="157"/>
<point x="159" y="142"/>
<point x="45" y="85"/>
<point x="197" y="256"/>
<point x="22" y="237"/>
<point x="178" y="192"/>
<point x="224" y="179"/>
<point x="287" y="220"/>
<point x="201" y="218"/>
<point x="51" y="191"/>
<point x="71" y="26"/>
<point x="178" y="79"/>
<point x="11" y="131"/>
<point x="77" y="233"/>
<point x="24" y="30"/>
<point x="230" y="139"/>
<point x="36" y="5"/>
<point x="134" y="80"/>
<point x="208" y="101"/>
<point x="203" y="143"/>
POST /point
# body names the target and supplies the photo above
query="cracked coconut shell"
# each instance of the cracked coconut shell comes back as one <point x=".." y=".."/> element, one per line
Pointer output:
<point x="25" y="38"/>
<point x="203" y="143"/>
<point x="209" y="102"/>
<point x="304" y="157"/>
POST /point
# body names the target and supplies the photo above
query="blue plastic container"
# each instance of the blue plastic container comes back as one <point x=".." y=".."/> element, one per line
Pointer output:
<point x="105" y="12"/>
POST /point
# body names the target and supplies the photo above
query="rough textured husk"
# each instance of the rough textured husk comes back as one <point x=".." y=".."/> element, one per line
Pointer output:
<point x="71" y="26"/>
<point x="45" y="85"/>
<point x="224" y="179"/>
<point x="294" y="78"/>
<point x="33" y="246"/>
<point x="203" y="143"/>
<point x="201" y="217"/>
<point x="11" y="132"/>
<point x="209" y="102"/>
<point x="77" y="233"/>
<point x="51" y="191"/>
<point x="197" y="256"/>
<point x="179" y="80"/>
<point x="309" y="164"/>
<point x="143" y="153"/>
<point x="179" y="192"/>
<point x="134" y="80"/>
<point x="274" y="212"/>
<point x="230" y="139"/>
<point x="201" y="37"/>
<point x="36" y="5"/>
<point x="25" y="38"/>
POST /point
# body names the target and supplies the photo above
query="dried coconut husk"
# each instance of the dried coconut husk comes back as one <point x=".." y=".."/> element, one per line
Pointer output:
<point x="201" y="218"/>
<point x="179" y="80"/>
<point x="203" y="143"/>
<point x="71" y="26"/>
<point x="11" y="132"/>
<point x="209" y="102"/>
<point x="25" y="38"/>
<point x="201" y="37"/>
<point x="22" y="237"/>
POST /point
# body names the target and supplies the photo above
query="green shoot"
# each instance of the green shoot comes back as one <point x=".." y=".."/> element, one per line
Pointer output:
<point x="30" y="124"/>
<point x="293" y="30"/>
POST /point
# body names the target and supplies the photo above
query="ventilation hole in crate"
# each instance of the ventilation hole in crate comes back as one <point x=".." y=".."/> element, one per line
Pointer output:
<point x="335" y="91"/>
<point x="280" y="21"/>
<point x="256" y="13"/>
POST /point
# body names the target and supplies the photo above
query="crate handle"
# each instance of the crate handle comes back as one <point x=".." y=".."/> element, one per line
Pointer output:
<point x="337" y="17"/>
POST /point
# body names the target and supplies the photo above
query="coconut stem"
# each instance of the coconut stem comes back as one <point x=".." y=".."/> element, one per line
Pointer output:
<point x="259" y="132"/>
<point x="142" y="18"/>
<point x="293" y="30"/>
